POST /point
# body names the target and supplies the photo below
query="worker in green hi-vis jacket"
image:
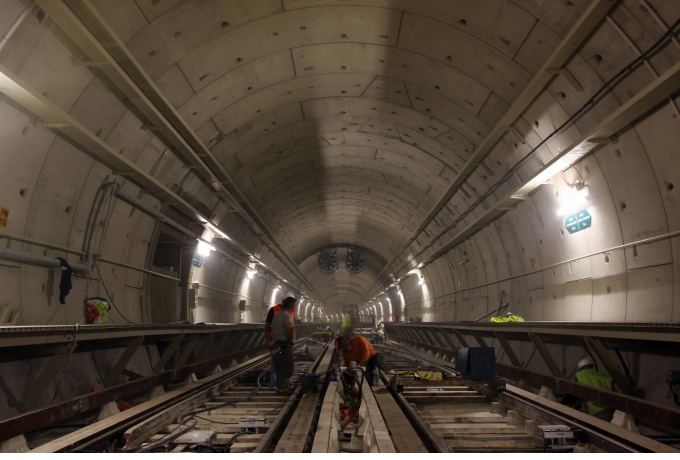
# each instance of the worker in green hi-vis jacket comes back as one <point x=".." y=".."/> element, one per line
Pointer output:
<point x="587" y="375"/>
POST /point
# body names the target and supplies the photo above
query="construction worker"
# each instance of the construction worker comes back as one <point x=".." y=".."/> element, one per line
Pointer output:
<point x="382" y="333"/>
<point x="346" y="324"/>
<point x="283" y="328"/>
<point x="269" y="334"/>
<point x="587" y="375"/>
<point x="357" y="349"/>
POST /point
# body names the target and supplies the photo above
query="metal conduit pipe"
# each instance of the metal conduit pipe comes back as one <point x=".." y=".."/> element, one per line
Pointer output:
<point x="13" y="255"/>
<point x="104" y="192"/>
<point x="22" y="17"/>
<point x="131" y="200"/>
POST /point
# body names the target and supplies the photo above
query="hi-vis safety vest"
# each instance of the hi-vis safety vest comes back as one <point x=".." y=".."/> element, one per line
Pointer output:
<point x="507" y="319"/>
<point x="346" y="320"/>
<point x="279" y="308"/>
<point x="594" y="379"/>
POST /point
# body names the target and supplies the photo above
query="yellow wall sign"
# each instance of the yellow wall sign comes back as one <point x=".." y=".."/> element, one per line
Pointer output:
<point x="4" y="215"/>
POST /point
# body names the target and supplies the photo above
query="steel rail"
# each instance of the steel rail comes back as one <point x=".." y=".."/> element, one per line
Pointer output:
<point x="116" y="423"/>
<point x="112" y="426"/>
<point x="600" y="430"/>
<point x="54" y="413"/>
<point x="287" y="410"/>
<point x="602" y="435"/>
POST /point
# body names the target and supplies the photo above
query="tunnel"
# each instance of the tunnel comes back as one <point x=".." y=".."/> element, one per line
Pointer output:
<point x="470" y="174"/>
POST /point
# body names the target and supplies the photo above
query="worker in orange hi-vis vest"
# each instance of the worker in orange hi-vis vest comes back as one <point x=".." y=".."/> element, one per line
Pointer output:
<point x="269" y="336"/>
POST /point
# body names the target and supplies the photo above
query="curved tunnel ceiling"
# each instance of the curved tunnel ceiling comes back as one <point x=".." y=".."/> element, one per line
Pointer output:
<point x="375" y="124"/>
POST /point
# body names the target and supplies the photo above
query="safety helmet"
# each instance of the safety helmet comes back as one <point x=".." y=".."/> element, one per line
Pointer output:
<point x="382" y="326"/>
<point x="587" y="361"/>
<point x="328" y="328"/>
<point x="287" y="295"/>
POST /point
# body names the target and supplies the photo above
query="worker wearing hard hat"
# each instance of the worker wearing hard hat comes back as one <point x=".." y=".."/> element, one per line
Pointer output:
<point x="380" y="334"/>
<point x="269" y="334"/>
<point x="587" y="375"/>
<point x="283" y="328"/>
<point x="346" y="325"/>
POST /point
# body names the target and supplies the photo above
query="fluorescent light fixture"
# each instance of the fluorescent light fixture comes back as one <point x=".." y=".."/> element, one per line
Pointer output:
<point x="204" y="249"/>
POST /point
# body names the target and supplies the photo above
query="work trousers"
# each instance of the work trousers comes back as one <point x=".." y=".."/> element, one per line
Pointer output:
<point x="272" y="373"/>
<point x="284" y="361"/>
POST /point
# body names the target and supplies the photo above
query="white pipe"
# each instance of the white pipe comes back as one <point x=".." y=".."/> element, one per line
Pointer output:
<point x="131" y="200"/>
<point x="13" y="255"/>
<point x="16" y="25"/>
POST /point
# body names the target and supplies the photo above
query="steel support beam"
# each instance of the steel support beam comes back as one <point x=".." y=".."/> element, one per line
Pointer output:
<point x="436" y="333"/>
<point x="422" y="338"/>
<point x="204" y="352"/>
<point x="241" y="338"/>
<point x="449" y="341"/>
<point x="411" y="334"/>
<point x="188" y="349"/>
<point x="56" y="363"/>
<point x="122" y="362"/>
<point x="224" y="342"/>
<point x="431" y="338"/>
<point x="610" y="365"/>
<point x="545" y="353"/>
<point x="168" y="353"/>
<point x="568" y="332"/>
<point x="43" y="417"/>
<point x="479" y="339"/>
<point x="461" y="339"/>
<point x="508" y="349"/>
<point x="253" y="338"/>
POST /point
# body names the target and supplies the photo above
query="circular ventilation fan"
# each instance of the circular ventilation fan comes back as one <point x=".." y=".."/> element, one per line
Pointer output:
<point x="355" y="262"/>
<point x="328" y="262"/>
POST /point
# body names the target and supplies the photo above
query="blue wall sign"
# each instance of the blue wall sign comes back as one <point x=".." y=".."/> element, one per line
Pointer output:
<point x="579" y="221"/>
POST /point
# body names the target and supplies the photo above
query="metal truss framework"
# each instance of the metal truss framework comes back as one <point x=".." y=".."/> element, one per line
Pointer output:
<point x="182" y="350"/>
<point x="602" y="339"/>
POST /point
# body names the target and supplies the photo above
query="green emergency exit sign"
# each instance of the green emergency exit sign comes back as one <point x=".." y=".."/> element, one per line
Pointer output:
<point x="579" y="221"/>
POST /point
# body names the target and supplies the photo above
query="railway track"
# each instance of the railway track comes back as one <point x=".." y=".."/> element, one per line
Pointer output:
<point x="457" y="415"/>
<point x="230" y="411"/>
<point x="234" y="412"/>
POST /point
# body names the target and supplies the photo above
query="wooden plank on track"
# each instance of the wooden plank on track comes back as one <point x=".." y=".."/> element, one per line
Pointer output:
<point x="295" y="436"/>
<point x="382" y="435"/>
<point x="405" y="438"/>
<point x="323" y="429"/>
<point x="510" y="441"/>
